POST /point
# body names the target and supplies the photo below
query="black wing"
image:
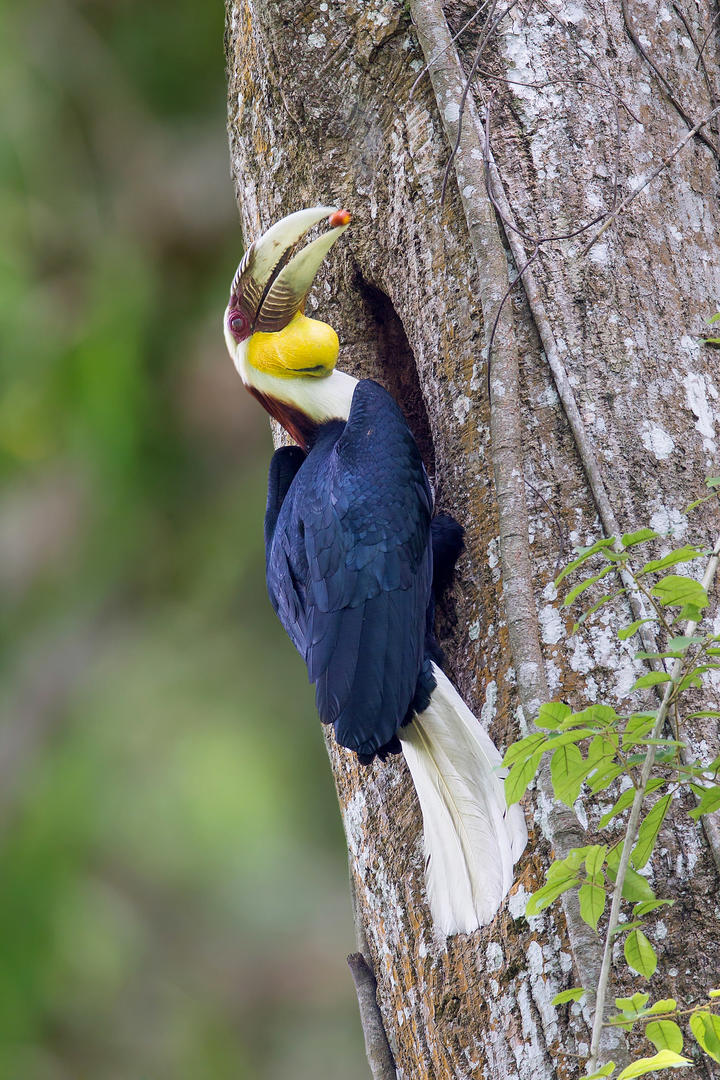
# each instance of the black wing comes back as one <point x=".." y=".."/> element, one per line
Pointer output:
<point x="350" y="568"/>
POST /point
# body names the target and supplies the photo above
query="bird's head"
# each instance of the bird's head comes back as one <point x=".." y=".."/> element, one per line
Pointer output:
<point x="266" y="330"/>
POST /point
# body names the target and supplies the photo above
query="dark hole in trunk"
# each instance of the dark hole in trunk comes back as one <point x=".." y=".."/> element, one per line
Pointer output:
<point x="396" y="367"/>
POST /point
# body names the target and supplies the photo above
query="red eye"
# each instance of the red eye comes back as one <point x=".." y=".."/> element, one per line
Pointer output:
<point x="239" y="324"/>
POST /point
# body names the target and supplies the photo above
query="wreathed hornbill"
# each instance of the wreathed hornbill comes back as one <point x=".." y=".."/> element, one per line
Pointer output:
<point x="353" y="562"/>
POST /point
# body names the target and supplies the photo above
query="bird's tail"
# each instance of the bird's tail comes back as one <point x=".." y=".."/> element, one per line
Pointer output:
<point x="472" y="838"/>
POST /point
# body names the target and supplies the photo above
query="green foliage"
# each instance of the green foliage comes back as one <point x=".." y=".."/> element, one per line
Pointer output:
<point x="712" y="340"/>
<point x="705" y="1026"/>
<point x="575" y="993"/>
<point x="664" y="1035"/>
<point x="639" y="953"/>
<point x="595" y="748"/>
<point x="664" y="1059"/>
<point x="169" y="826"/>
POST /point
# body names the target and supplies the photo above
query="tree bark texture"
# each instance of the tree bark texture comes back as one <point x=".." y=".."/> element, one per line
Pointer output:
<point x="585" y="100"/>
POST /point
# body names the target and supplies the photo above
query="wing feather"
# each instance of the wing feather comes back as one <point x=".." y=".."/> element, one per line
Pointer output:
<point x="350" y="568"/>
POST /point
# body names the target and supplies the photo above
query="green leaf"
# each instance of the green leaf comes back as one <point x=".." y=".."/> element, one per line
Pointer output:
<point x="599" y="716"/>
<point x="565" y="737"/>
<point x="713" y="319"/>
<point x="592" y="903"/>
<point x="595" y="858"/>
<point x="614" y="556"/>
<point x="548" y="894"/>
<point x="649" y="905"/>
<point x="626" y="800"/>
<point x="653" y="678"/>
<point x="552" y="714"/>
<point x="582" y="586"/>
<point x="659" y="742"/>
<point x="636" y="888"/>
<point x="523" y="748"/>
<point x="713" y="993"/>
<point x="705" y="1026"/>
<point x="637" y="728"/>
<point x="689" y="613"/>
<point x="595" y="607"/>
<point x="640" y="954"/>
<point x="607" y="1070"/>
<point x="665" y="1059"/>
<point x="664" y="1035"/>
<point x="583" y="555"/>
<point x="667" y="655"/>
<point x="693" y="678"/>
<point x="712" y="481"/>
<point x="623" y="928"/>
<point x="632" y="1006"/>
<point x="604" y="775"/>
<point x="684" y="642"/>
<point x="628" y="631"/>
<point x="517" y="780"/>
<point x="639" y="537"/>
<point x="709" y="800"/>
<point x="560" y="868"/>
<point x="677" y="591"/>
<point x="679" y="555"/>
<point x="698" y="502"/>
<point x="567" y="770"/>
<point x="648" y="832"/>
<point x="665" y="1005"/>
<point x="574" y="994"/>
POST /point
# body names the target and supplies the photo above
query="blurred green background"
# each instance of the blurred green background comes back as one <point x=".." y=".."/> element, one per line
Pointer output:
<point x="173" y="899"/>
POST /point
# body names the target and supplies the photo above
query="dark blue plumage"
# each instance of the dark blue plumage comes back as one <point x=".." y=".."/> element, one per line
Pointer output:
<point x="350" y="566"/>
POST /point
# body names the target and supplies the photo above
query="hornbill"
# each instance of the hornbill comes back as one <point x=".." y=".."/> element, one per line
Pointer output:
<point x="351" y="557"/>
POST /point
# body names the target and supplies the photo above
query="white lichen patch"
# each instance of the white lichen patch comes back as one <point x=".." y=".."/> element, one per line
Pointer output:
<point x="354" y="814"/>
<point x="494" y="956"/>
<point x="657" y="441"/>
<point x="517" y="902"/>
<point x="551" y="625"/>
<point x="554" y="676"/>
<point x="669" y="521"/>
<point x="580" y="658"/>
<point x="487" y="712"/>
<point x="697" y="396"/>
<point x="317" y="40"/>
<point x="451" y="112"/>
<point x="461" y="408"/>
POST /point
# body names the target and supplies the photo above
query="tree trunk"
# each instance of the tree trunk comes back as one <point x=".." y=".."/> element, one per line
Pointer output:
<point x="600" y="415"/>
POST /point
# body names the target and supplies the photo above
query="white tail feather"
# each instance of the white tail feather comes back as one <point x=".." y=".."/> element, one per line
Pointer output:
<point x="472" y="838"/>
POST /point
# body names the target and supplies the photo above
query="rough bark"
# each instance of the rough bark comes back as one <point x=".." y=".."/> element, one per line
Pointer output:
<point x="321" y="110"/>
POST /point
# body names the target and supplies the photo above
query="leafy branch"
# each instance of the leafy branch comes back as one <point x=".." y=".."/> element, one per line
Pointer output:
<point x="599" y="747"/>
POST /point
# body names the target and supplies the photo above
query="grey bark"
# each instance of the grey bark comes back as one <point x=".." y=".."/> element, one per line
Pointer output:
<point x="321" y="110"/>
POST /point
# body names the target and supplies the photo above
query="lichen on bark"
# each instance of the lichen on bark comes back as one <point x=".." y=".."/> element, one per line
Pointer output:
<point x="321" y="110"/>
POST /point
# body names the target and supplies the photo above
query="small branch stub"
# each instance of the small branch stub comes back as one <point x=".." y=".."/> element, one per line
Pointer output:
<point x="377" y="1048"/>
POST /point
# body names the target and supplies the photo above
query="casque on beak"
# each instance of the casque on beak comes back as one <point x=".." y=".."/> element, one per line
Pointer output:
<point x="275" y="275"/>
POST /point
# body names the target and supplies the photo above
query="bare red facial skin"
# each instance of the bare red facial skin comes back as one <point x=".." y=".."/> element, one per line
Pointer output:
<point x="339" y="217"/>
<point x="239" y="324"/>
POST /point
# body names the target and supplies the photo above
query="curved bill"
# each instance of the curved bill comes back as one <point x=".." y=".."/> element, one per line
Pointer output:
<point x="274" y="277"/>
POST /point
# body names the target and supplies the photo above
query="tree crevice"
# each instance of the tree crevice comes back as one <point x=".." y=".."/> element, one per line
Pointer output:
<point x="397" y="368"/>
